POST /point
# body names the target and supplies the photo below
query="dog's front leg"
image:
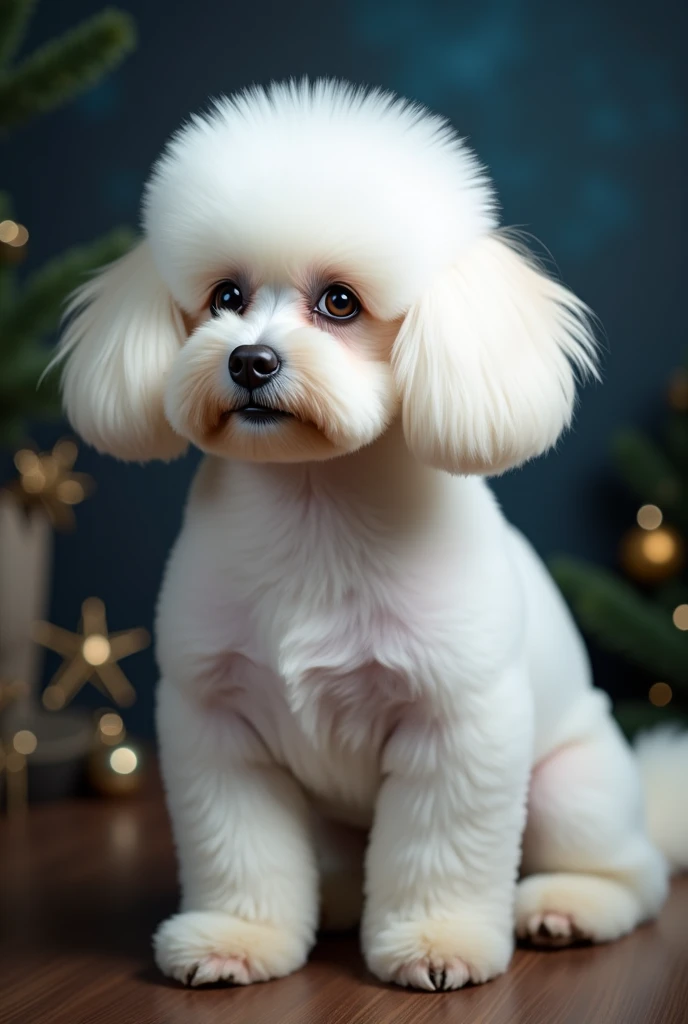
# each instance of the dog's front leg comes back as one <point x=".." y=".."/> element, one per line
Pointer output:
<point x="247" y="864"/>
<point x="444" y="851"/>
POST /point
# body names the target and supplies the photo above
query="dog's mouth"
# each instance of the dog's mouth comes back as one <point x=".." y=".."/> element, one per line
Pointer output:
<point x="262" y="414"/>
<point x="257" y="414"/>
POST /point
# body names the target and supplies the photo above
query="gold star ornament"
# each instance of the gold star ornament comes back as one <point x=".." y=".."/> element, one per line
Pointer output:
<point x="91" y="655"/>
<point x="46" y="481"/>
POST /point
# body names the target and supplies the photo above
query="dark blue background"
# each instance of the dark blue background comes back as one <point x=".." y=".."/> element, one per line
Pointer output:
<point x="576" y="107"/>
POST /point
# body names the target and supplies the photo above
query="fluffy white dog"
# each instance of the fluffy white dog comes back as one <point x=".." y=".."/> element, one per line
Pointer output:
<point x="369" y="681"/>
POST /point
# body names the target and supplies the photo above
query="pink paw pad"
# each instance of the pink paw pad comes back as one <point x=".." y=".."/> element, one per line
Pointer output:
<point x="215" y="968"/>
<point x="434" y="975"/>
<point x="552" y="929"/>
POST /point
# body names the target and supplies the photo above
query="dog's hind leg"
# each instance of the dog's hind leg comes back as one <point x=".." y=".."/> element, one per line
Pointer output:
<point x="590" y="870"/>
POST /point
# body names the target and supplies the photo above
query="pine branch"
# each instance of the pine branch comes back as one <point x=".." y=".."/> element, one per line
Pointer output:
<point x="646" y="470"/>
<point x="14" y="18"/>
<point x="634" y="716"/>
<point x="65" y="66"/>
<point x="671" y="594"/>
<point x="677" y="440"/>
<point x="20" y="393"/>
<point x="610" y="610"/>
<point x="21" y="373"/>
<point x="40" y="305"/>
<point x="7" y="274"/>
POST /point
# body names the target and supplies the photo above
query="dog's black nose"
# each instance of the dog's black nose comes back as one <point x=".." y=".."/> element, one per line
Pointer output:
<point x="251" y="366"/>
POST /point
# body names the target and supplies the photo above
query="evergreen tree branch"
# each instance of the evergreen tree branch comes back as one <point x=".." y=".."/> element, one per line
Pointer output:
<point x="14" y="18"/>
<point x="609" y="609"/>
<point x="38" y="308"/>
<point x="20" y="393"/>
<point x="677" y="440"/>
<point x="635" y="716"/>
<point x="7" y="274"/>
<point x="65" y="66"/>
<point x="646" y="470"/>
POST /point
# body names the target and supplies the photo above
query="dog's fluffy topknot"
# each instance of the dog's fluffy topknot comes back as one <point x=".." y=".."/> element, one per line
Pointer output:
<point x="320" y="172"/>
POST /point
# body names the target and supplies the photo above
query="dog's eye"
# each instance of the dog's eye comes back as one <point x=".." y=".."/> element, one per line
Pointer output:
<point x="338" y="303"/>
<point x="227" y="295"/>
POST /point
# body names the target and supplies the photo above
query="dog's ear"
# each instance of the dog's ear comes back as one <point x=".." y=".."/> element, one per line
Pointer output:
<point x="486" y="361"/>
<point x="123" y="332"/>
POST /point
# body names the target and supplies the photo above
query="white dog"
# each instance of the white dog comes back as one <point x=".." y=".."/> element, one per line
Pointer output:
<point x="360" y="659"/>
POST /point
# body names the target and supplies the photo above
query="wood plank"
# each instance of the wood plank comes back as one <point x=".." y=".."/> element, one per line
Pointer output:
<point x="83" y="884"/>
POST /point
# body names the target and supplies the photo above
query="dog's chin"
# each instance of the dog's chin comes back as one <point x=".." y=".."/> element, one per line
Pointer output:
<point x="262" y="434"/>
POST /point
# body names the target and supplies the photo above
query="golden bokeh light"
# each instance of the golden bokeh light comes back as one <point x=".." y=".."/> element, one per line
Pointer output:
<point x="659" y="548"/>
<point x="680" y="616"/>
<point x="123" y="760"/>
<point x="660" y="694"/>
<point x="24" y="741"/>
<point x="96" y="649"/>
<point x="649" y="517"/>
<point x="22" y="236"/>
<point x="9" y="231"/>
<point x="111" y="728"/>
<point x="111" y="723"/>
<point x="13" y="234"/>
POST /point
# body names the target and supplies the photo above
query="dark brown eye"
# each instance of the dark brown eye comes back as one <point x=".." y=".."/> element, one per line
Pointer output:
<point x="338" y="302"/>
<point x="227" y="295"/>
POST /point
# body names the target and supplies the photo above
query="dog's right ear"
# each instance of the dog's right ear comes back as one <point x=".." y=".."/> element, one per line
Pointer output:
<point x="122" y="334"/>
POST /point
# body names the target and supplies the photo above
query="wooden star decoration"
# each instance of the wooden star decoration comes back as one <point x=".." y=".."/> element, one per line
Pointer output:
<point x="10" y="691"/>
<point x="46" y="481"/>
<point x="91" y="655"/>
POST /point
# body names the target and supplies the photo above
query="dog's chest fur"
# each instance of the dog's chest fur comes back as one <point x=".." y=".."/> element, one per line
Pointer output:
<point x="335" y="655"/>
<point x="320" y="616"/>
<point x="312" y="618"/>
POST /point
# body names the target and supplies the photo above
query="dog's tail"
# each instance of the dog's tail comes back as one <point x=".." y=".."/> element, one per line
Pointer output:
<point x="663" y="757"/>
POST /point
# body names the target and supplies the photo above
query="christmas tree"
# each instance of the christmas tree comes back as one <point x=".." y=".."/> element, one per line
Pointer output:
<point x="643" y="614"/>
<point x="30" y="309"/>
<point x="33" y="740"/>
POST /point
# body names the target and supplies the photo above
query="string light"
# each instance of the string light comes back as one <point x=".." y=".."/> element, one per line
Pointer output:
<point x="24" y="742"/>
<point x="659" y="547"/>
<point x="123" y="760"/>
<point x="660" y="694"/>
<point x="13" y="234"/>
<point x="96" y="649"/>
<point x="649" y="517"/>
<point x="111" y="728"/>
<point x="680" y="616"/>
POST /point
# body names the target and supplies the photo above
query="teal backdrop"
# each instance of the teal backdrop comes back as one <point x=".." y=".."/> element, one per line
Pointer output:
<point x="577" y="108"/>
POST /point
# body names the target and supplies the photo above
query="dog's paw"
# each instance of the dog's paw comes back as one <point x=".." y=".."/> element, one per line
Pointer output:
<point x="201" y="947"/>
<point x="438" y="955"/>
<point x="551" y="930"/>
<point x="433" y="975"/>
<point x="562" y="910"/>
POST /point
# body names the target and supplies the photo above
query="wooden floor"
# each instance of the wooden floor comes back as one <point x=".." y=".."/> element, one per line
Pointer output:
<point x="83" y="884"/>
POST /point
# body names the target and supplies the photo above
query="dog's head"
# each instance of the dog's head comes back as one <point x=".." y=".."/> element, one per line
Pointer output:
<point x="317" y="261"/>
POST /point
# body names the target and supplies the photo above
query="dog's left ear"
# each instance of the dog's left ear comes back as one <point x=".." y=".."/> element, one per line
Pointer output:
<point x="486" y="361"/>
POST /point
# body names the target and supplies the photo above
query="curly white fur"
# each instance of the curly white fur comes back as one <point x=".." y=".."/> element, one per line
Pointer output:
<point x="352" y="640"/>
